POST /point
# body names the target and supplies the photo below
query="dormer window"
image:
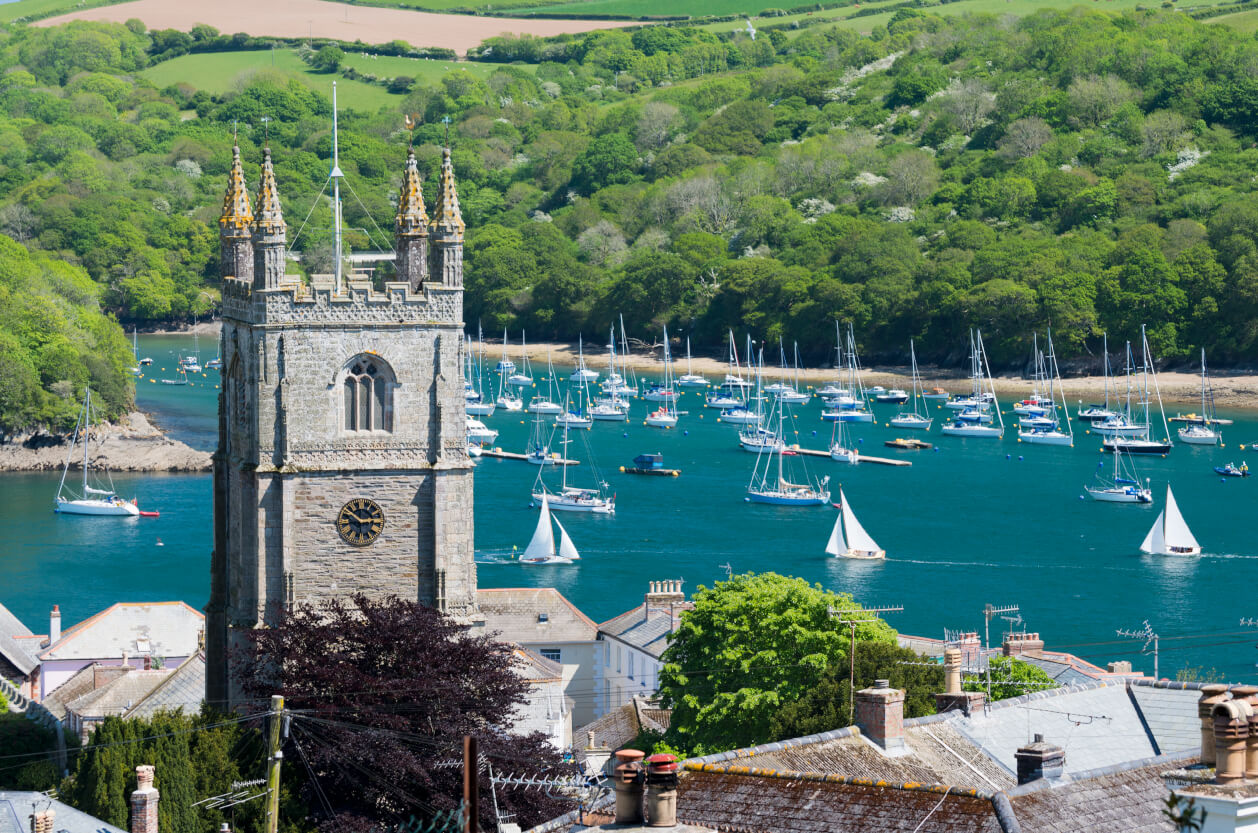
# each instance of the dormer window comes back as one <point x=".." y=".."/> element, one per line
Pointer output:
<point x="368" y="392"/>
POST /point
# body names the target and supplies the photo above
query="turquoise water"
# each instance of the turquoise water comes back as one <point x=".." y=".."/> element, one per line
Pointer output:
<point x="977" y="521"/>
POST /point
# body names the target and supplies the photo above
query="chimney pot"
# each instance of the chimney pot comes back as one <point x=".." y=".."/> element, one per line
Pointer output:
<point x="1040" y="759"/>
<point x="661" y="790"/>
<point x="1249" y="694"/>
<point x="628" y="780"/>
<point x="1211" y="696"/>
<point x="1231" y="737"/>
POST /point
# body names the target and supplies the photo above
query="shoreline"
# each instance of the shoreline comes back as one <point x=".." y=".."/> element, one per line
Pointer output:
<point x="1178" y="388"/>
<point x="133" y="444"/>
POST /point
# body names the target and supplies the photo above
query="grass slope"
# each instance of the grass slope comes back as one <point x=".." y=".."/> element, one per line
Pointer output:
<point x="36" y="9"/>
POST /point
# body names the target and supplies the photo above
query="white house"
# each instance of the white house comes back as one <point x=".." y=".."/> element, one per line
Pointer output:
<point x="633" y="642"/>
<point x="547" y="709"/>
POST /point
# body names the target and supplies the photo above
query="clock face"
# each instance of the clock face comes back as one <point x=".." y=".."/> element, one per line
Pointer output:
<point x="360" y="522"/>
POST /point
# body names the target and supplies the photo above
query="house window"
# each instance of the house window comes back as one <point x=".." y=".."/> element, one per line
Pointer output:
<point x="616" y="651"/>
<point x="631" y="666"/>
<point x="367" y="389"/>
<point x="552" y="654"/>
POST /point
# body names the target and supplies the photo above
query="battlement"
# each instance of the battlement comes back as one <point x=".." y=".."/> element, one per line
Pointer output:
<point x="358" y="303"/>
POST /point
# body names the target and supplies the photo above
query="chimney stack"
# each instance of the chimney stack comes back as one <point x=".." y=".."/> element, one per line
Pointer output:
<point x="54" y="625"/>
<point x="628" y="778"/>
<point x="144" y="801"/>
<point x="661" y="790"/>
<point x="1231" y="737"/>
<point x="880" y="715"/>
<point x="1040" y="759"/>
<point x="1017" y="644"/>
<point x="1211" y="696"/>
<point x="953" y="697"/>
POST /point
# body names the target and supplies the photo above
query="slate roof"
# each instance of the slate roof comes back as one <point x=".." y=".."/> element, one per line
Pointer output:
<point x="1169" y="710"/>
<point x="648" y="632"/>
<point x="17" y="644"/>
<point x="1065" y="668"/>
<point x="791" y="802"/>
<point x="120" y="695"/>
<point x="536" y="668"/>
<point x="1127" y="799"/>
<point x="16" y="809"/>
<point x="619" y="727"/>
<point x="168" y="629"/>
<point x="183" y="689"/>
<point x="82" y="682"/>
<point x="512" y="613"/>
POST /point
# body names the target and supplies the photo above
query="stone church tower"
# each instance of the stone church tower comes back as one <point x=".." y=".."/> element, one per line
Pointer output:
<point x="342" y="460"/>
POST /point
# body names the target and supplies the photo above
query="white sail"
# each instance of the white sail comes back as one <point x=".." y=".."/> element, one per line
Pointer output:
<point x="567" y="549"/>
<point x="1175" y="532"/>
<point x="837" y="546"/>
<point x="1154" y="543"/>
<point x="857" y="537"/>
<point x="543" y="543"/>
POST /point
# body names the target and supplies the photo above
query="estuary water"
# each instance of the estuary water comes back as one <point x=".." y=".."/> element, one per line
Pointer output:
<point x="971" y="523"/>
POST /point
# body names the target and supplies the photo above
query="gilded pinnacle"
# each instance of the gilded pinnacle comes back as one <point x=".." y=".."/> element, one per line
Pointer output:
<point x="446" y="218"/>
<point x="236" y="211"/>
<point x="270" y="219"/>
<point x="412" y="217"/>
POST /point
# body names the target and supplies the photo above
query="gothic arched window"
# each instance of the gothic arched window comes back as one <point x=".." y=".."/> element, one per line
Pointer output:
<point x="368" y="393"/>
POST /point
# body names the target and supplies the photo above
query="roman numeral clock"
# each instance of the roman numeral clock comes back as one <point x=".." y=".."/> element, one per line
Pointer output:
<point x="360" y="522"/>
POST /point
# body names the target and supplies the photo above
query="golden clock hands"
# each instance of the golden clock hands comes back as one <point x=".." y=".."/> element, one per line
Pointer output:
<point x="360" y="520"/>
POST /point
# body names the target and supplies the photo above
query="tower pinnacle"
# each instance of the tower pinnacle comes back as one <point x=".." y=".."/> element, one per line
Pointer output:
<point x="270" y="217"/>
<point x="412" y="217"/>
<point x="447" y="220"/>
<point x="236" y="212"/>
<point x="269" y="233"/>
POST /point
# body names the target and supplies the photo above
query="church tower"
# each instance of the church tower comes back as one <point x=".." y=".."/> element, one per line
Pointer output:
<point x="342" y="460"/>
<point x="235" y="242"/>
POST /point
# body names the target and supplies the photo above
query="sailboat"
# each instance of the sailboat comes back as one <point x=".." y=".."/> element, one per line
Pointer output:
<point x="1170" y="535"/>
<point x="524" y="378"/>
<point x="841" y="447"/>
<point x="849" y="405"/>
<point x="470" y="393"/>
<point x="1100" y="413"/>
<point x="975" y="419"/>
<point x="541" y="548"/>
<point x="192" y="364"/>
<point x="92" y="500"/>
<point x="1119" y="423"/>
<point x="1123" y="487"/>
<point x="1201" y="433"/>
<point x="182" y="380"/>
<point x="573" y="416"/>
<point x="770" y="484"/>
<point x="482" y="405"/>
<point x="665" y="391"/>
<point x="666" y="415"/>
<point x="1037" y="404"/>
<point x="728" y="395"/>
<point x="780" y="386"/>
<point x="914" y="419"/>
<point x="581" y="373"/>
<point x="1144" y="443"/>
<point x="538" y="450"/>
<point x="691" y="379"/>
<point x="572" y="498"/>
<point x="742" y="414"/>
<point x="1047" y="429"/>
<point x="858" y="544"/>
<point x="792" y="395"/>
<point x="505" y="366"/>
<point x="835" y="388"/>
<point x="544" y="403"/>
<point x="614" y="385"/>
<point x="135" y="346"/>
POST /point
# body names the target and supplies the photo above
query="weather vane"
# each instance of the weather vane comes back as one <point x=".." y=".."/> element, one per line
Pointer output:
<point x="411" y="121"/>
<point x="266" y="130"/>
<point x="234" y="123"/>
<point x="446" y="120"/>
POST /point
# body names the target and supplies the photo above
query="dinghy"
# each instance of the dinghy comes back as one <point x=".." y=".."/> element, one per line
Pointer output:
<point x="858" y="544"/>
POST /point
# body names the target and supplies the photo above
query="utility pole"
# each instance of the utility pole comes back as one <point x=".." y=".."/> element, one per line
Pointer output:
<point x="275" y="757"/>
<point x="1150" y="638"/>
<point x="471" y="789"/>
<point x="988" y="612"/>
<point x="858" y="617"/>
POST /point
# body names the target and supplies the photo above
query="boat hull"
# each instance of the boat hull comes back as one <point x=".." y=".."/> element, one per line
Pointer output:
<point x="864" y="555"/>
<point x="972" y="430"/>
<point x="1136" y="446"/>
<point x="536" y="407"/>
<point x="692" y="382"/>
<point x="574" y="422"/>
<point x="596" y="506"/>
<point x="1045" y="438"/>
<point x="1117" y="495"/>
<point x="481" y="408"/>
<point x="664" y="421"/>
<point x="1193" y="438"/>
<point x="789" y="499"/>
<point x="917" y="424"/>
<point x="103" y="508"/>
<point x="743" y="418"/>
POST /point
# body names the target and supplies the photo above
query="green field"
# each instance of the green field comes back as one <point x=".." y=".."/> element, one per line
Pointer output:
<point x="219" y="72"/>
<point x="422" y="70"/>
<point x="1240" y="21"/>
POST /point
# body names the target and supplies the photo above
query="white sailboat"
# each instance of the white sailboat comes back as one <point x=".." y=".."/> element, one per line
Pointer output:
<point x="1123" y="487"/>
<point x="841" y="448"/>
<point x="793" y="395"/>
<point x="1143" y="442"/>
<point x="666" y="415"/>
<point x="859" y="544"/>
<point x="91" y="500"/>
<point x="544" y="403"/>
<point x="482" y="405"/>
<point x="505" y="366"/>
<point x="541" y="548"/>
<point x="743" y="414"/>
<point x="1100" y="413"/>
<point x="691" y="379"/>
<point x="538" y="450"/>
<point x="581" y="373"/>
<point x="975" y="419"/>
<point x="1170" y="535"/>
<point x="524" y="378"/>
<point x="849" y="405"/>
<point x="771" y="484"/>
<point x="1047" y="430"/>
<point x="135" y="345"/>
<point x="753" y="436"/>
<point x="508" y="399"/>
<point x="1202" y="433"/>
<point x="192" y="364"/>
<point x="573" y="498"/>
<point x="915" y="419"/>
<point x="835" y="388"/>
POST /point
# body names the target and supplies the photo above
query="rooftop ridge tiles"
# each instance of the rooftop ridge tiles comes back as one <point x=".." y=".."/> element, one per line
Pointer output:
<point x="1174" y="684"/>
<point x="1144" y="721"/>
<point x="831" y="778"/>
<point x="170" y="679"/>
<point x="631" y="611"/>
<point x="1041" y="784"/>
<point x="776" y="746"/>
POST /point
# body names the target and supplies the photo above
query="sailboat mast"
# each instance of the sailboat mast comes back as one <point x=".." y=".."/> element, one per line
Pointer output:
<point x="87" y="428"/>
<point x="336" y="198"/>
<point x="1105" y="349"/>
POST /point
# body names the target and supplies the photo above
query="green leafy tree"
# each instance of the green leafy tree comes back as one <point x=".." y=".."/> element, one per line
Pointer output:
<point x="609" y="160"/>
<point x="751" y="646"/>
<point x="1012" y="677"/>
<point x="328" y="59"/>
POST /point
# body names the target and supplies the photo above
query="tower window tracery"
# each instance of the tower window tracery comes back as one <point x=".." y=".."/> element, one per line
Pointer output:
<point x="367" y="390"/>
